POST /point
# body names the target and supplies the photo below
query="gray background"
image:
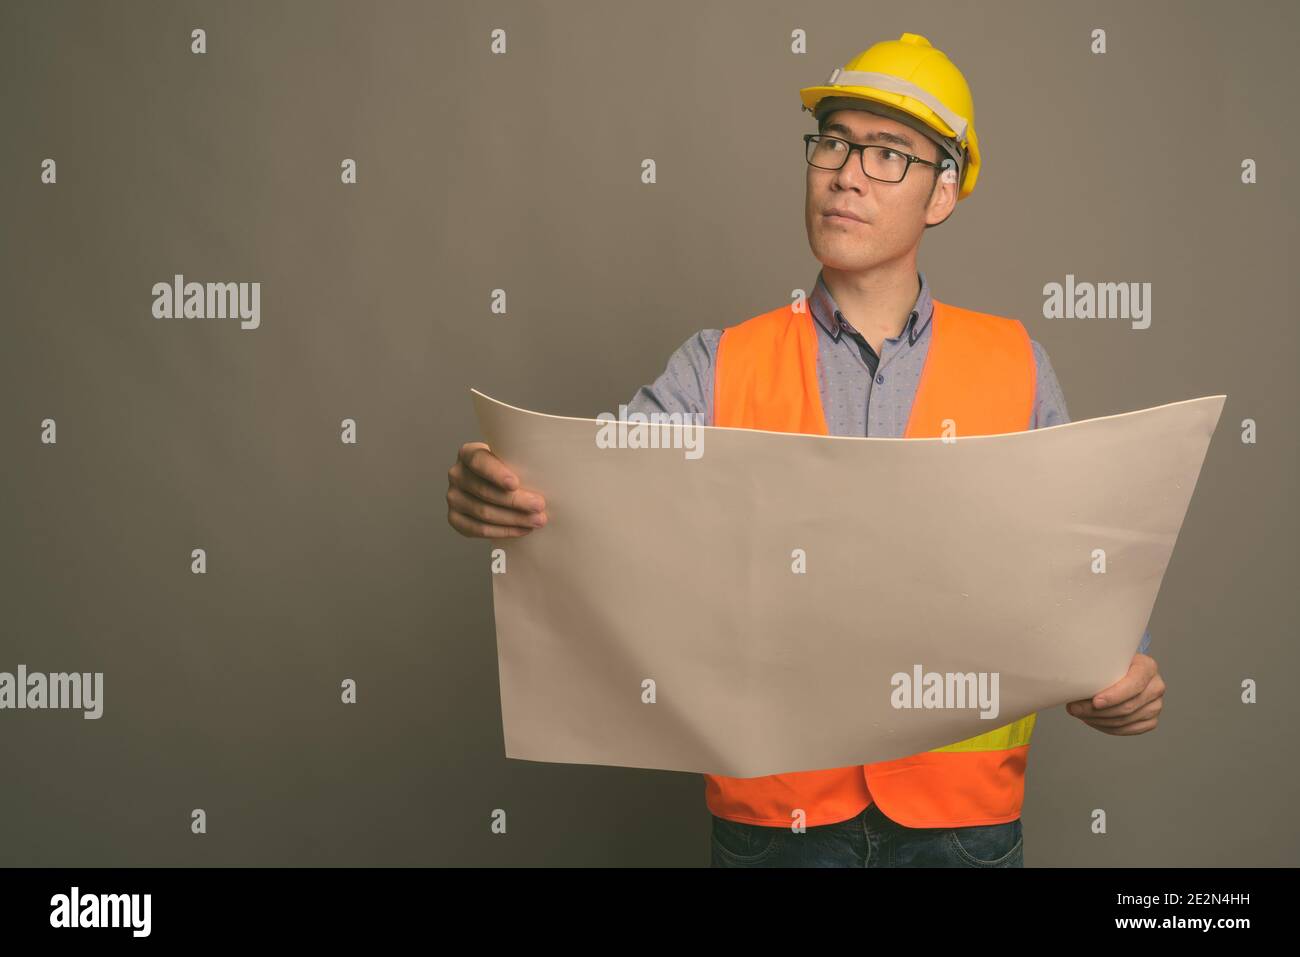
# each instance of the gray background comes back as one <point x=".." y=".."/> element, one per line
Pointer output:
<point x="521" y="171"/>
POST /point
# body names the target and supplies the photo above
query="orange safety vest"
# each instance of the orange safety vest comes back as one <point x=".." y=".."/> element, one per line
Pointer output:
<point x="980" y="373"/>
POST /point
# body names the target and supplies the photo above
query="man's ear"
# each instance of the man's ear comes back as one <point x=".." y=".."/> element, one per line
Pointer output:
<point x="947" y="176"/>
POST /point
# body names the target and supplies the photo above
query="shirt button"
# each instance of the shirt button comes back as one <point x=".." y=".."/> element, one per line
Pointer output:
<point x="880" y="378"/>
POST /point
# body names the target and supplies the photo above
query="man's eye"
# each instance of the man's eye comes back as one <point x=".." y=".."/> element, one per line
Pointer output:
<point x="835" y="144"/>
<point x="889" y="154"/>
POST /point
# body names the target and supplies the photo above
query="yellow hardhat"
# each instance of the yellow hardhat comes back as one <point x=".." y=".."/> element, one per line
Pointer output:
<point x="917" y="83"/>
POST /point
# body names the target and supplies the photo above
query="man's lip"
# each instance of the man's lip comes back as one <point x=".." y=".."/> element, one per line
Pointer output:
<point x="831" y="213"/>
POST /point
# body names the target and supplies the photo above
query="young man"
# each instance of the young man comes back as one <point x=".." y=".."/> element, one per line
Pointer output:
<point x="895" y="151"/>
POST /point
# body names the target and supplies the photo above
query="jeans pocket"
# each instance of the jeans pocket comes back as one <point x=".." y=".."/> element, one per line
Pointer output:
<point x="989" y="845"/>
<point x="742" y="844"/>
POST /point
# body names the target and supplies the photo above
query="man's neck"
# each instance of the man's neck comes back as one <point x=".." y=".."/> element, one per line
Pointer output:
<point x="876" y="302"/>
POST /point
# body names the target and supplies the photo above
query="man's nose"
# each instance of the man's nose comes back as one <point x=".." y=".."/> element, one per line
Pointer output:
<point x="851" y="175"/>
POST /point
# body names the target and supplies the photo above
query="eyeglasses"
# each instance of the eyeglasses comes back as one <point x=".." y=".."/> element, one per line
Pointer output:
<point x="878" y="162"/>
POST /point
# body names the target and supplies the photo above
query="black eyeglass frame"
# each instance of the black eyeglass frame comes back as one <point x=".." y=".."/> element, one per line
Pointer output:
<point x="862" y="156"/>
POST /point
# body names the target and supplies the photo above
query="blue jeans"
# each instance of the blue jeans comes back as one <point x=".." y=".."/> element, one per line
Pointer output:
<point x="868" y="840"/>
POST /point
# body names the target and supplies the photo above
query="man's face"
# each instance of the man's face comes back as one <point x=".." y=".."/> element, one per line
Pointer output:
<point x="891" y="216"/>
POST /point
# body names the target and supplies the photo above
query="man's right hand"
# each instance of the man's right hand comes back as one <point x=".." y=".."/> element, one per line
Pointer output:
<point x="484" y="499"/>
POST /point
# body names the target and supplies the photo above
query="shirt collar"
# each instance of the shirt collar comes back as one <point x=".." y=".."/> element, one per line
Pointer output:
<point x="832" y="320"/>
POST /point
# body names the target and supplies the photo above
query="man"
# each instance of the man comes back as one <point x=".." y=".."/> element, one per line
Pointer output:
<point x="895" y="151"/>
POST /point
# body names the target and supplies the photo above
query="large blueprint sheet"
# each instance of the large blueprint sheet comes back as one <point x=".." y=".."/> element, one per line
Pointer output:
<point x="661" y="619"/>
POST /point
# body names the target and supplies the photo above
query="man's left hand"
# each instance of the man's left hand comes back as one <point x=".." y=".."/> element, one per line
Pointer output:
<point x="1129" y="706"/>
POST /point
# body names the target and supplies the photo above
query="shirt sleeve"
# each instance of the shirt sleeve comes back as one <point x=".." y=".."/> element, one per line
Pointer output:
<point x="1049" y="401"/>
<point x="686" y="384"/>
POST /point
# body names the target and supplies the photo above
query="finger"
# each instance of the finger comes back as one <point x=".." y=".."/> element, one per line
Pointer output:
<point x="1151" y="692"/>
<point x="1140" y="672"/>
<point x="475" y="529"/>
<point x="1142" y="727"/>
<point x="1085" y="709"/>
<point x="479" y="459"/>
<point x="524" y="500"/>
<point x="1144" y="713"/>
<point x="491" y="514"/>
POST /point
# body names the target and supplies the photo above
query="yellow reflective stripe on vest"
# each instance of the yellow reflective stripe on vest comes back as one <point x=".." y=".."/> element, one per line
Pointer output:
<point x="1011" y="735"/>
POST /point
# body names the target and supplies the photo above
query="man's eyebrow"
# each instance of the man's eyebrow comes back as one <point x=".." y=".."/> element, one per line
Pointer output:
<point x="880" y="136"/>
